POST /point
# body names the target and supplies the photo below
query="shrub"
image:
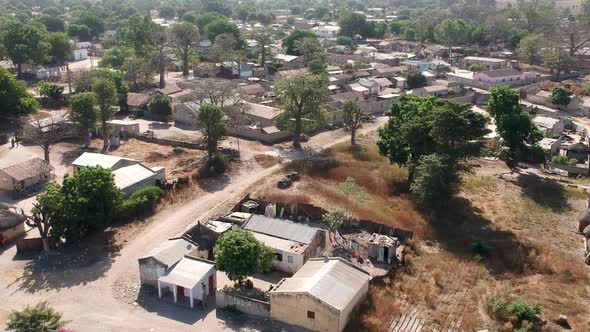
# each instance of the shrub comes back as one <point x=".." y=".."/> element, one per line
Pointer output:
<point x="141" y="201"/>
<point x="520" y="313"/>
<point x="563" y="160"/>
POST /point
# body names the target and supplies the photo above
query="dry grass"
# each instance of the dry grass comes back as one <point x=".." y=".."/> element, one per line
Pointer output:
<point x="266" y="160"/>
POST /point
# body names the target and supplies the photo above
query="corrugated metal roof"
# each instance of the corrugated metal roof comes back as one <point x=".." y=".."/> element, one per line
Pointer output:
<point x="330" y="280"/>
<point x="281" y="228"/>
<point x="171" y="251"/>
<point x="188" y="272"/>
<point x="89" y="159"/>
<point x="28" y="169"/>
<point x="130" y="175"/>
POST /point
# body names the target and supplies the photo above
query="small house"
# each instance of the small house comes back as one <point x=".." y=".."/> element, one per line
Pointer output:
<point x="205" y="236"/>
<point x="138" y="102"/>
<point x="25" y="175"/>
<point x="129" y="179"/>
<point x="12" y="224"/>
<point x="372" y="86"/>
<point x="124" y="126"/>
<point x="326" y="31"/>
<point x="186" y="113"/>
<point x="288" y="61"/>
<point x="550" y="127"/>
<point x="261" y="115"/>
<point x="382" y="248"/>
<point x="293" y="243"/>
<point x="253" y="91"/>
<point x="90" y="159"/>
<point x="160" y="259"/>
<point x="321" y="296"/>
<point x="507" y="75"/>
<point x="188" y="280"/>
<point x="79" y="54"/>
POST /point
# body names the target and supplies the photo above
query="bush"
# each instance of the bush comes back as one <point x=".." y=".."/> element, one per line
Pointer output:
<point x="143" y="200"/>
<point x="563" y="160"/>
<point x="480" y="248"/>
<point x="217" y="164"/>
<point x="519" y="313"/>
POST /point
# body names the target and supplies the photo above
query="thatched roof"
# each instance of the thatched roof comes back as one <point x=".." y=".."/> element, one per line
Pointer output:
<point x="9" y="219"/>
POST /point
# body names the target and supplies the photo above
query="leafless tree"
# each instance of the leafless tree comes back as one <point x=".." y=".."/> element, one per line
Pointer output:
<point x="573" y="34"/>
<point x="220" y="92"/>
<point x="162" y="40"/>
<point x="45" y="132"/>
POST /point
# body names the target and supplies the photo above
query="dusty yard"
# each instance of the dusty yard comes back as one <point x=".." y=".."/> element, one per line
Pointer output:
<point x="177" y="161"/>
<point x="507" y="233"/>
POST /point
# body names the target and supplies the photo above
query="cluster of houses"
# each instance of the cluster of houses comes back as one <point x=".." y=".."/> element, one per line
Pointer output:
<point x="320" y="294"/>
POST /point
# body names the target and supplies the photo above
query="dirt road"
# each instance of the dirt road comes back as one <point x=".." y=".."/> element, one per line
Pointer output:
<point x="88" y="296"/>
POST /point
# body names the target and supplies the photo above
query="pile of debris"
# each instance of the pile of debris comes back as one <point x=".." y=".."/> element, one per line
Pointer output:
<point x="287" y="180"/>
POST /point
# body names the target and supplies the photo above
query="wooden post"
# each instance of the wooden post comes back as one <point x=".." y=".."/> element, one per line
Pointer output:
<point x="191" y="298"/>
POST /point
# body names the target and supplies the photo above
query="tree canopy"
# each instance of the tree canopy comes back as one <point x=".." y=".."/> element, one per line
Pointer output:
<point x="560" y="96"/>
<point x="239" y="255"/>
<point x="14" y="98"/>
<point x="39" y="318"/>
<point x="290" y="41"/>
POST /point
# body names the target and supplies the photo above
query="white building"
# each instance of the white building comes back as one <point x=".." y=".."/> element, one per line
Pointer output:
<point x="79" y="54"/>
<point x="190" y="279"/>
<point x="326" y="31"/>
<point x="321" y="296"/>
<point x="293" y="243"/>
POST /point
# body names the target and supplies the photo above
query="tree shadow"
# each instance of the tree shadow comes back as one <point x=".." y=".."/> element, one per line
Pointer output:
<point x="214" y="183"/>
<point x="462" y="225"/>
<point x="159" y="125"/>
<point x="70" y="266"/>
<point x="543" y="191"/>
<point x="68" y="157"/>
<point x="239" y="321"/>
<point x="148" y="299"/>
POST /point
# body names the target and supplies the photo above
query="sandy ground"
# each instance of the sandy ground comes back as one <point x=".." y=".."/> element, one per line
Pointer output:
<point x="88" y="295"/>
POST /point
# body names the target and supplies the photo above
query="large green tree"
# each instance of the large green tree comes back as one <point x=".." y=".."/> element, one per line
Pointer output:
<point x="290" y="42"/>
<point x="39" y="318"/>
<point x="86" y="202"/>
<point x="351" y="23"/>
<point x="83" y="112"/>
<point x="61" y="47"/>
<point x="450" y="32"/>
<point x="422" y="126"/>
<point x="26" y="43"/>
<point x="560" y="96"/>
<point x="106" y="98"/>
<point x="302" y="97"/>
<point x="212" y="120"/>
<point x="14" y="98"/>
<point x="514" y="125"/>
<point x="240" y="255"/>
<point x="221" y="26"/>
<point x="530" y="46"/>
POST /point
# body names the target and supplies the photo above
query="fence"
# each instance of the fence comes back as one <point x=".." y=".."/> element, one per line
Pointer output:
<point x="241" y="303"/>
<point x="169" y="142"/>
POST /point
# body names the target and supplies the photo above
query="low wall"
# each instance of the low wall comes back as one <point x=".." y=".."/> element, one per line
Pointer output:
<point x="241" y="303"/>
<point x="248" y="133"/>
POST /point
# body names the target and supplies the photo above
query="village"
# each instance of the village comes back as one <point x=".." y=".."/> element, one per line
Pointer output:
<point x="261" y="166"/>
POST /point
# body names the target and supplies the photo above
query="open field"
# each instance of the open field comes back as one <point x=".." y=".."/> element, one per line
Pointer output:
<point x="525" y="223"/>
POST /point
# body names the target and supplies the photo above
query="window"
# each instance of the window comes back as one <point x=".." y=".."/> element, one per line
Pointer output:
<point x="279" y="257"/>
<point x="311" y="314"/>
<point x="290" y="259"/>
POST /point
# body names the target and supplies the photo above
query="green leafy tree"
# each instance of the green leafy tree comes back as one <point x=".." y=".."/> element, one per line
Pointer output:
<point x="514" y="125"/>
<point x="317" y="66"/>
<point x="115" y="57"/>
<point x="185" y="37"/>
<point x="167" y="11"/>
<point x="106" y="98"/>
<point x="61" y="47"/>
<point x="221" y="26"/>
<point x="137" y="32"/>
<point x="351" y="23"/>
<point x="353" y="191"/>
<point x="421" y="126"/>
<point x="436" y="181"/>
<point x="161" y="104"/>
<point x="79" y="31"/>
<point x="344" y="40"/>
<point x="290" y="41"/>
<point x="52" y="23"/>
<point x="40" y="318"/>
<point x="88" y="202"/>
<point x="563" y="160"/>
<point x="212" y="121"/>
<point x="530" y="46"/>
<point x="51" y="90"/>
<point x="558" y="61"/>
<point x="560" y="96"/>
<point x="302" y="97"/>
<point x="353" y="119"/>
<point x="202" y="20"/>
<point x="450" y="32"/>
<point x="45" y="132"/>
<point x="334" y="219"/>
<point x="415" y="80"/>
<point x="26" y="43"/>
<point x="95" y="23"/>
<point x="240" y="255"/>
<point x="14" y="98"/>
<point x="43" y="213"/>
<point x="83" y="112"/>
<point x="310" y="49"/>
